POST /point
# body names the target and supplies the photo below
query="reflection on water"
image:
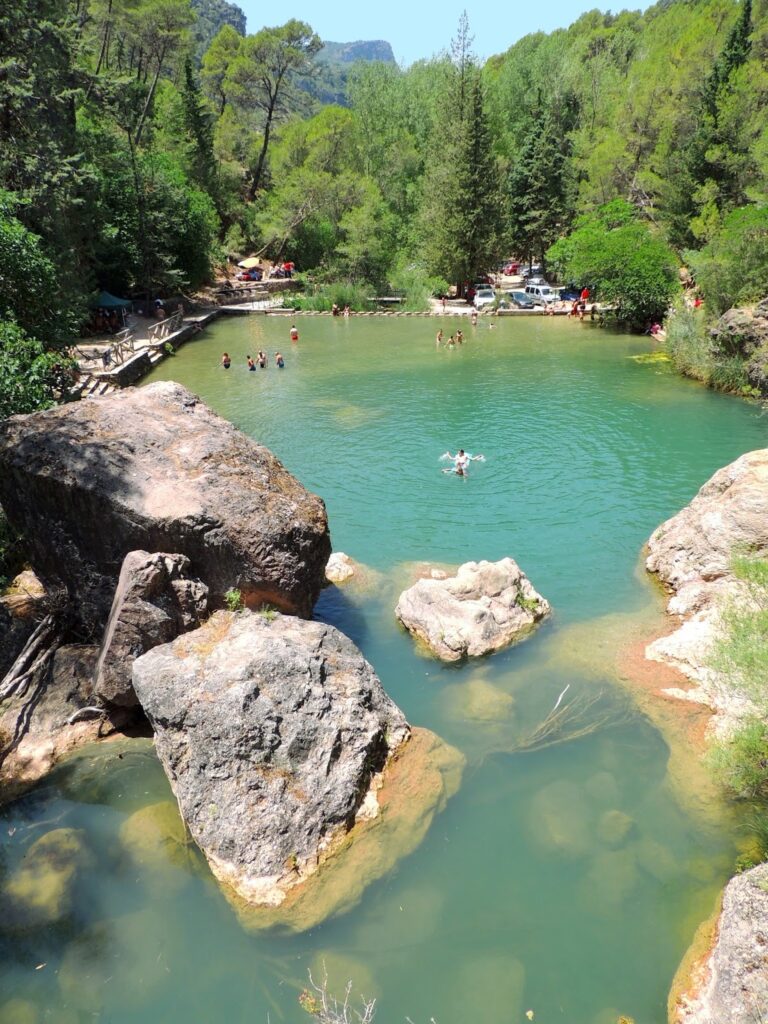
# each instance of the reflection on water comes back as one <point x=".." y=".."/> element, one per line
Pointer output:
<point x="567" y="880"/>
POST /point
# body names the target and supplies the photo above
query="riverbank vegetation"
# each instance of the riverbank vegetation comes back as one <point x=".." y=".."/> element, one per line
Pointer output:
<point x="740" y="658"/>
<point x="147" y="143"/>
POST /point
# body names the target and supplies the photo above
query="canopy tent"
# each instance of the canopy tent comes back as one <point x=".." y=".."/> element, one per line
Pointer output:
<point x="104" y="300"/>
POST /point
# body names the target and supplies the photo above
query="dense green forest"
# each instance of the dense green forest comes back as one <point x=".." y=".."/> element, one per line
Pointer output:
<point x="144" y="142"/>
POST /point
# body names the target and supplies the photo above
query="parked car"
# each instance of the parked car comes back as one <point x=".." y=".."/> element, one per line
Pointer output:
<point x="511" y="269"/>
<point x="541" y="294"/>
<point x="533" y="270"/>
<point x="536" y="279"/>
<point x="519" y="299"/>
<point x="570" y="293"/>
<point x="484" y="296"/>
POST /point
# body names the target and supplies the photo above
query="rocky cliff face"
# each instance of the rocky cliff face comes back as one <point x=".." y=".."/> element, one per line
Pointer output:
<point x="273" y="733"/>
<point x="154" y="469"/>
<point x="733" y="984"/>
<point x="692" y="553"/>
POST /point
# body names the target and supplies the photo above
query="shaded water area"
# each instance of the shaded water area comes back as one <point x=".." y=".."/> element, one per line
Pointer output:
<point x="568" y="881"/>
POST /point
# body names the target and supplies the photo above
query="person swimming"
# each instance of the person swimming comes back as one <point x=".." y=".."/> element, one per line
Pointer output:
<point x="279" y="361"/>
<point x="461" y="461"/>
<point x="226" y="362"/>
<point x="251" y="364"/>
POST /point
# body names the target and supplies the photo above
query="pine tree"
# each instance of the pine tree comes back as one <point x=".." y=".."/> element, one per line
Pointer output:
<point x="461" y="208"/>
<point x="199" y="125"/>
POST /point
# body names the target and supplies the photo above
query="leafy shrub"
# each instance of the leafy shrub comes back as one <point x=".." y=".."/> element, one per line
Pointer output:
<point x="622" y="259"/>
<point x="688" y="342"/>
<point x="741" y="762"/>
<point x="732" y="268"/>
<point x="740" y="654"/>
<point x="233" y="599"/>
<point x="344" y="293"/>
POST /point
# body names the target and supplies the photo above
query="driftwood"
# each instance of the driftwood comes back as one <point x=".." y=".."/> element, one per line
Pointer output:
<point x="328" y="1010"/>
<point x="36" y="655"/>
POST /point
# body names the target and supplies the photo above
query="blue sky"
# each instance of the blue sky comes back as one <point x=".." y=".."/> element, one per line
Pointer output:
<point x="420" y="28"/>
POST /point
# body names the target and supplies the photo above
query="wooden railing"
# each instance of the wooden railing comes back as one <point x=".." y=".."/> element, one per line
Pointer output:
<point x="164" y="328"/>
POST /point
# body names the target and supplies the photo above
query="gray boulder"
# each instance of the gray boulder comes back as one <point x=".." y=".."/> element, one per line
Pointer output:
<point x="729" y="512"/>
<point x="735" y="983"/>
<point x="153" y="469"/>
<point x="273" y="732"/>
<point x="486" y="606"/>
<point x="742" y="331"/>
<point x="155" y="601"/>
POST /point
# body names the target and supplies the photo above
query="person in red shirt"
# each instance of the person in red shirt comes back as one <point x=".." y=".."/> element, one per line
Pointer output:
<point x="584" y="294"/>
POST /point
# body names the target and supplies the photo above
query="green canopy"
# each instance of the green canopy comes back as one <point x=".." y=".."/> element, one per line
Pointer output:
<point x="104" y="300"/>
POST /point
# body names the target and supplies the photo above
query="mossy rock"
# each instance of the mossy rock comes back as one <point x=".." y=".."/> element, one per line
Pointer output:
<point x="41" y="890"/>
<point x="156" y="836"/>
<point x="614" y="827"/>
<point x="559" y="819"/>
<point x="19" y="1011"/>
<point x="478" y="701"/>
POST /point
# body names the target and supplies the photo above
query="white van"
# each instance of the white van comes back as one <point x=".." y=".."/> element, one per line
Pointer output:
<point x="541" y="294"/>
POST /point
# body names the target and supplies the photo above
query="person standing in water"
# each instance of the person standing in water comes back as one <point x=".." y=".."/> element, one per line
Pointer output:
<point x="251" y="364"/>
<point x="279" y="361"/>
<point x="459" y="337"/>
<point x="262" y="359"/>
<point x="294" y="333"/>
<point x="439" y="338"/>
<point x="226" y="362"/>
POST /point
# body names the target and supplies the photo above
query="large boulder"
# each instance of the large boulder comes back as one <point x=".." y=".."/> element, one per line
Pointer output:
<point x="273" y="732"/>
<point x="742" y="331"/>
<point x="155" y="601"/>
<point x="484" y="607"/>
<point x="153" y="469"/>
<point x="729" y="512"/>
<point x="731" y="986"/>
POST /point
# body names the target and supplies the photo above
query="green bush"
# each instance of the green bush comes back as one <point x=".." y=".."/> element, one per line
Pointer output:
<point x="321" y="298"/>
<point x="233" y="599"/>
<point x="688" y="343"/>
<point x="416" y="286"/>
<point x="624" y="261"/>
<point x="740" y="654"/>
<point x="741" y="762"/>
<point x="732" y="268"/>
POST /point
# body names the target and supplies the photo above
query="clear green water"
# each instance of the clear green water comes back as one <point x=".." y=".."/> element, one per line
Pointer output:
<point x="516" y="900"/>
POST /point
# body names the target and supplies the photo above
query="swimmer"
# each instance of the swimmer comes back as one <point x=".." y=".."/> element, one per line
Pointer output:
<point x="439" y="338"/>
<point x="451" y="343"/>
<point x="347" y="310"/>
<point x="474" y="318"/>
<point x="279" y="361"/>
<point x="251" y="364"/>
<point x="462" y="458"/>
<point x="262" y="359"/>
<point x="294" y="333"/>
<point x="459" y="337"/>
<point x="226" y="362"/>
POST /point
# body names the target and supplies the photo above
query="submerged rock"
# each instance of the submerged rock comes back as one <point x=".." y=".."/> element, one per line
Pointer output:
<point x="155" y="601"/>
<point x="730" y="986"/>
<point x="486" y="606"/>
<point x="155" y="469"/>
<point x="40" y="891"/>
<point x="273" y="732"/>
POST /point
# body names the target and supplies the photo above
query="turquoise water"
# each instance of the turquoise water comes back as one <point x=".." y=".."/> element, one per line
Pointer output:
<point x="530" y="891"/>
